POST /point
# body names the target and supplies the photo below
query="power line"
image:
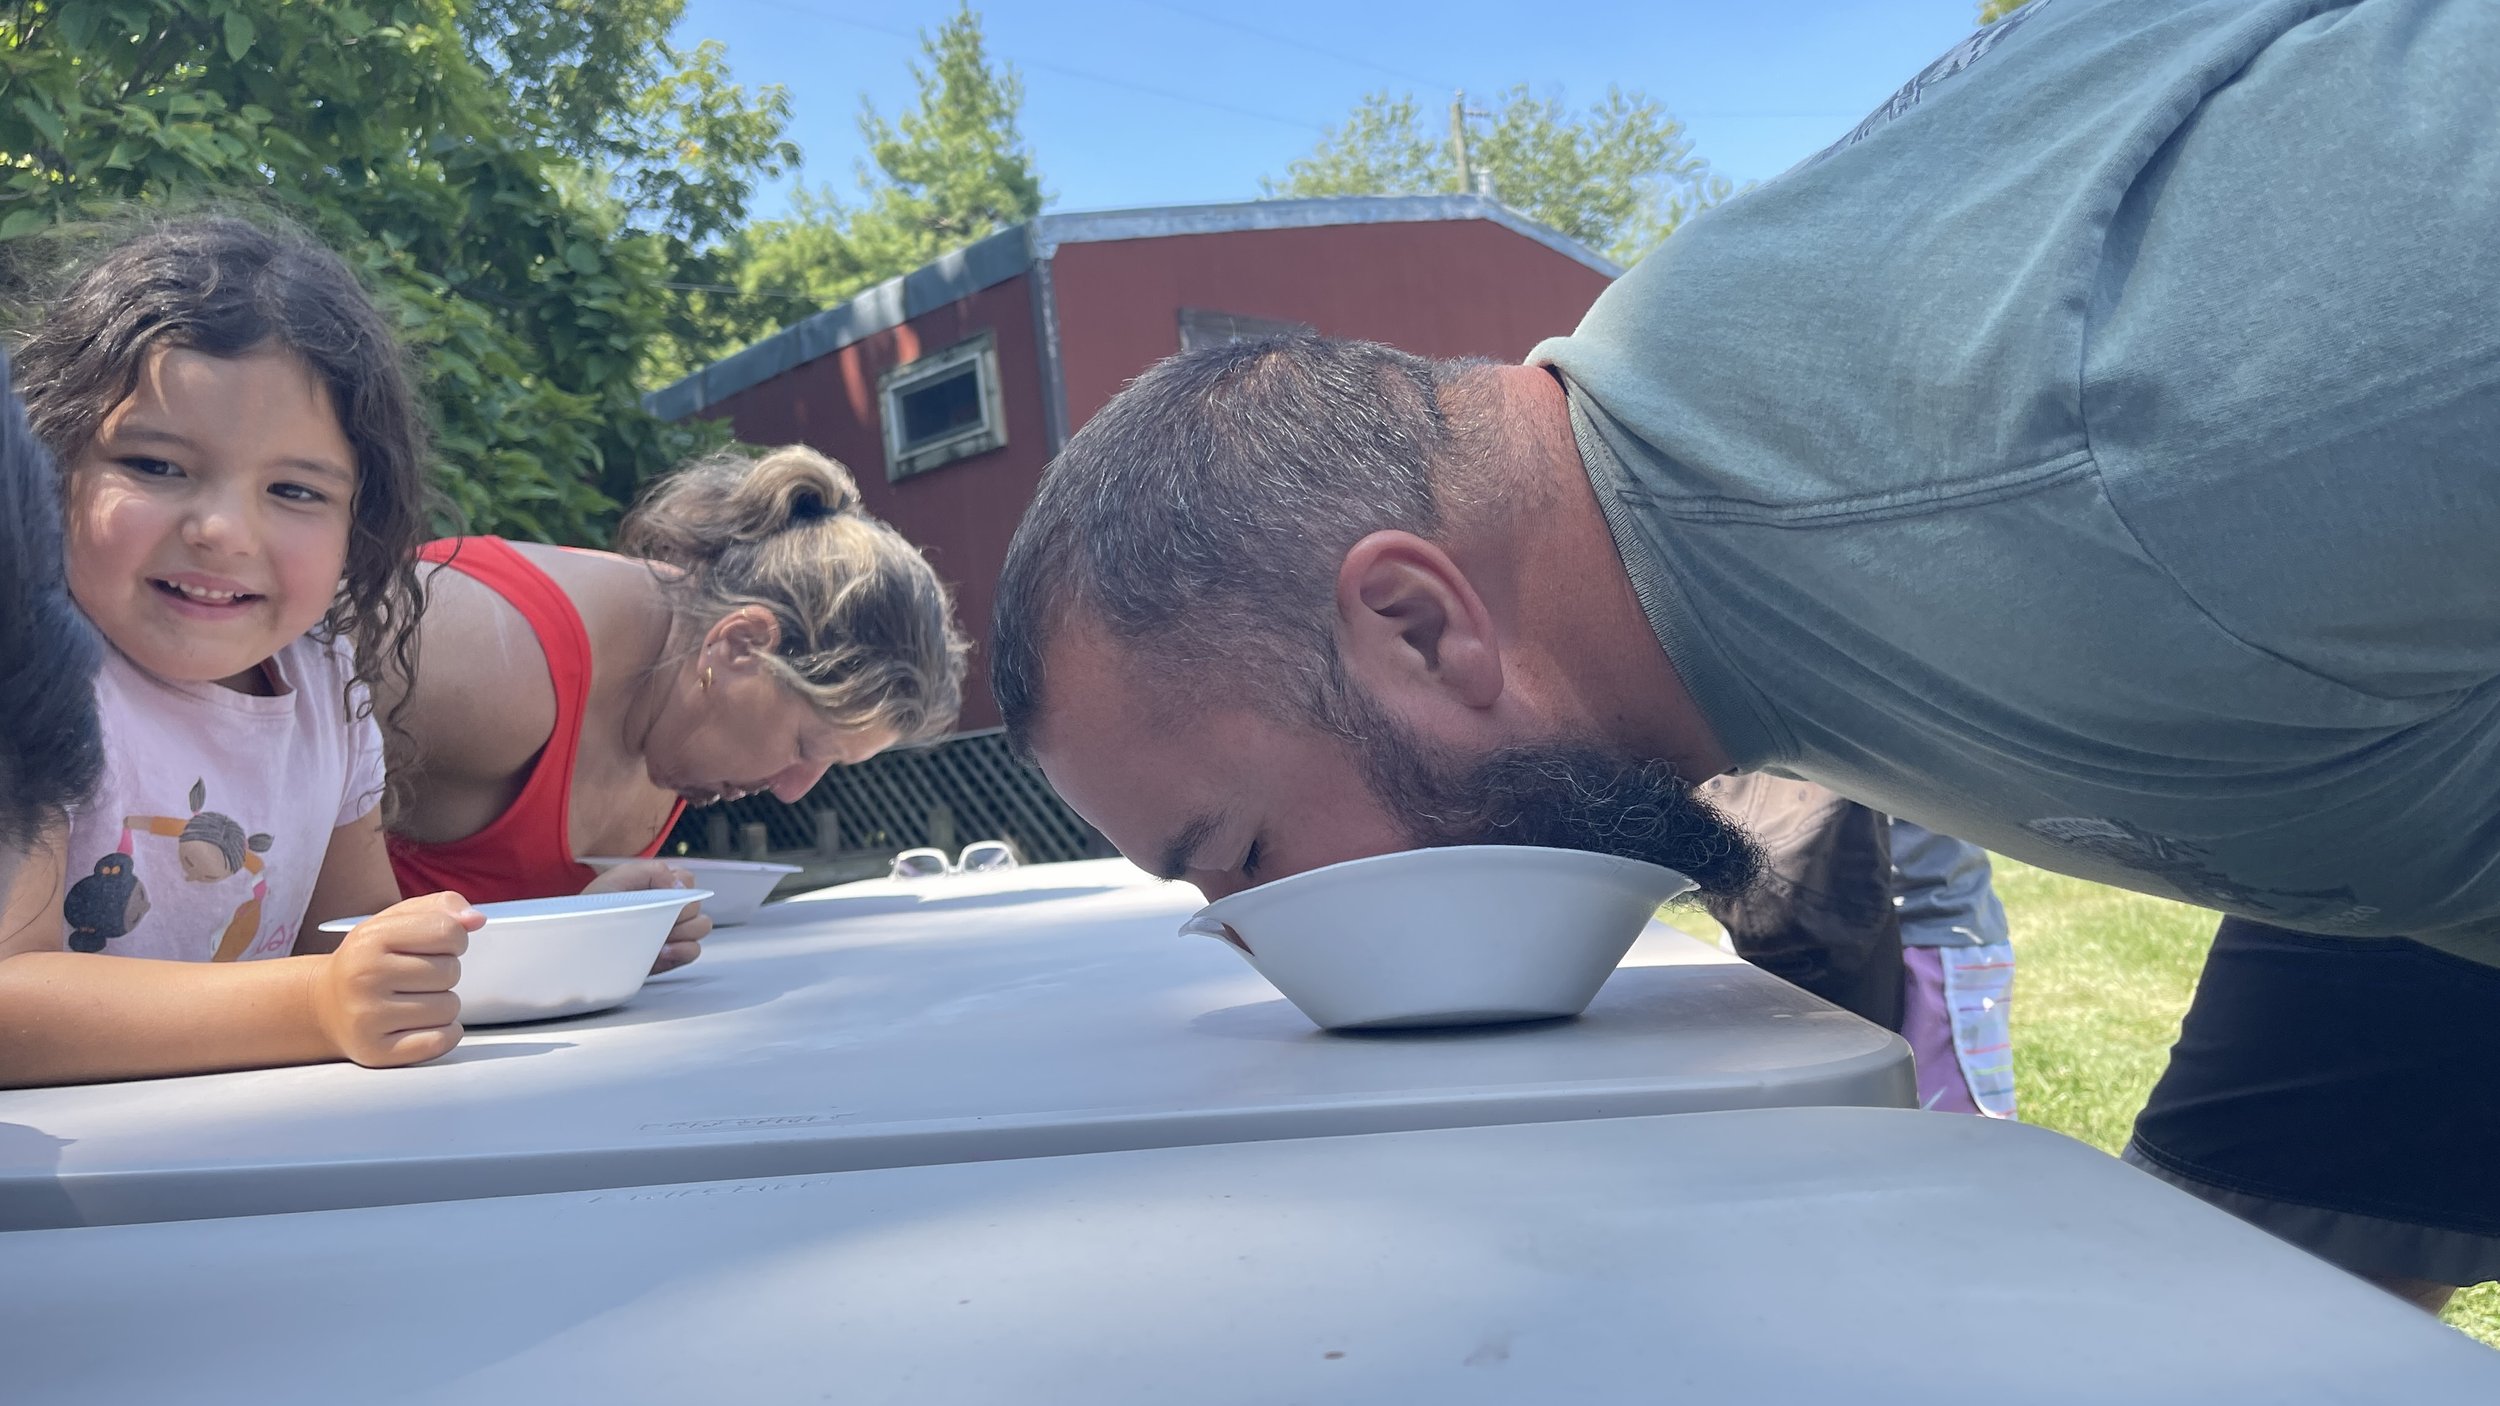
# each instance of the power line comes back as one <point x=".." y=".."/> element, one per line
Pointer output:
<point x="1293" y="43"/>
<point x="766" y="293"/>
<point x="1357" y="61"/>
<point x="1083" y="75"/>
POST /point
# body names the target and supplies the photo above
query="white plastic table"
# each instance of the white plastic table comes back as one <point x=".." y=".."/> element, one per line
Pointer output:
<point x="1058" y="1013"/>
<point x="1798" y="1255"/>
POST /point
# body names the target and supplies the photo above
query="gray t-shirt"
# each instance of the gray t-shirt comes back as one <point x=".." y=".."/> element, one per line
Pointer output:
<point x="2097" y="455"/>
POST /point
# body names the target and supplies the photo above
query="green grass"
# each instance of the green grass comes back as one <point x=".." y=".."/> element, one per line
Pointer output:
<point x="2101" y="977"/>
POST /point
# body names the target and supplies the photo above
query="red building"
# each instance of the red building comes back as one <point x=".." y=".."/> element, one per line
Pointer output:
<point x="946" y="391"/>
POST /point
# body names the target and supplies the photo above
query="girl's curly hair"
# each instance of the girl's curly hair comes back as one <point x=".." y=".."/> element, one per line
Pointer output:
<point x="228" y="286"/>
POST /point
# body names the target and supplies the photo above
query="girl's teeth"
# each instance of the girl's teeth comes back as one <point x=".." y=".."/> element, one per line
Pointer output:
<point x="204" y="594"/>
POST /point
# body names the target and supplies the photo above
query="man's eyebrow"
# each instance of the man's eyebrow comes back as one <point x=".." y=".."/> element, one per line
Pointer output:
<point x="1176" y="856"/>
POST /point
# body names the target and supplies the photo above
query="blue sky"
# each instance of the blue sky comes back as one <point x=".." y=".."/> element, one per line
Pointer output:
<point x="1156" y="102"/>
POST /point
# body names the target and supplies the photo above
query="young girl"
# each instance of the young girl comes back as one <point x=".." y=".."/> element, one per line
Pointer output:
<point x="243" y="464"/>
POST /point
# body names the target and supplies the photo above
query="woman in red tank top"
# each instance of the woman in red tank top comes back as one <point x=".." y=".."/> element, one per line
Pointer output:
<point x="569" y="703"/>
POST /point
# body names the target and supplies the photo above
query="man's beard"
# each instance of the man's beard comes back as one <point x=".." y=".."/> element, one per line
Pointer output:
<point x="1563" y="794"/>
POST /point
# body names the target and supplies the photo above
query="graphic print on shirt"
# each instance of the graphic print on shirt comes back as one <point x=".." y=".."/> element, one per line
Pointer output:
<point x="106" y="904"/>
<point x="1959" y="57"/>
<point x="2188" y="871"/>
<point x="211" y="847"/>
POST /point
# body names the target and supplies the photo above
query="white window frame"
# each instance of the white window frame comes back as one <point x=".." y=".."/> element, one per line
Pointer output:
<point x="991" y="433"/>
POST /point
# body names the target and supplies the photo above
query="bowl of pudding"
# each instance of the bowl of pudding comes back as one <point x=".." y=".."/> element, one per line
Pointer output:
<point x="1456" y="935"/>
<point x="542" y="958"/>
<point x="739" y="886"/>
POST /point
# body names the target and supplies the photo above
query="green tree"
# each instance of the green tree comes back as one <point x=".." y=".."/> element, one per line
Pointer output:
<point x="1990" y="11"/>
<point x="939" y="176"/>
<point x="1618" y="177"/>
<point x="518" y="180"/>
<point x="672" y="141"/>
<point x="795" y="264"/>
<point x="1383" y="148"/>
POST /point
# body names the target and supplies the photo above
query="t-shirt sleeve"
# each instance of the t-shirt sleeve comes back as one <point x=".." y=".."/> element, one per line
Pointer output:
<point x="362" y="793"/>
<point x="364" y="770"/>
<point x="2293" y="394"/>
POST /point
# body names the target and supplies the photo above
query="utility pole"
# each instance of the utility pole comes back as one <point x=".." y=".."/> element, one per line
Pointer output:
<point x="1470" y="180"/>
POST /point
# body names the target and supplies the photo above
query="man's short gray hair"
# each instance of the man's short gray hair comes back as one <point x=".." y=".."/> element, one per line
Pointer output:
<point x="1205" y="511"/>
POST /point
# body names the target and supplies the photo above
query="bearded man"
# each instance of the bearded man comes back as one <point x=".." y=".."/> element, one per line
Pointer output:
<point x="2096" y="455"/>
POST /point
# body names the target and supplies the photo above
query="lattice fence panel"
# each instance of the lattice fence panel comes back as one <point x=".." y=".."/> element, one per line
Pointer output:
<point x="888" y="802"/>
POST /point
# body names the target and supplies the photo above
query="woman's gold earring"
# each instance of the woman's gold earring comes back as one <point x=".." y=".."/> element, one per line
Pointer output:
<point x="707" y="676"/>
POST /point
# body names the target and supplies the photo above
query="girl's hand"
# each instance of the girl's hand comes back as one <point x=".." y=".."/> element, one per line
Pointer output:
<point x="685" y="941"/>
<point x="385" y="997"/>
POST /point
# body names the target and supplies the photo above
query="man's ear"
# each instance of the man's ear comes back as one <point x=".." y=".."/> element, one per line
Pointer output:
<point x="743" y="635"/>
<point x="1409" y="620"/>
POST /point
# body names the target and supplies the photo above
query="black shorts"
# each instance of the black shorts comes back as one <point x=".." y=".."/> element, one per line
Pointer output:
<point x="2343" y="1094"/>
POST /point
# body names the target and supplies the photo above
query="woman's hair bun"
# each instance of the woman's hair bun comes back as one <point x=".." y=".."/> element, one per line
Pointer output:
<point x="867" y="629"/>
<point x="728" y="500"/>
<point x="803" y="484"/>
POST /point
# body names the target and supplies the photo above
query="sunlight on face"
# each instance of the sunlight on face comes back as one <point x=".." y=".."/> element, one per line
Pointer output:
<point x="208" y="519"/>
<point x="750" y="733"/>
<point x="1230" y="798"/>
<point x="1223" y="798"/>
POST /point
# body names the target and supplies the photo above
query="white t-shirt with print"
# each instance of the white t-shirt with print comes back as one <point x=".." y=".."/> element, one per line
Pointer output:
<point x="207" y="832"/>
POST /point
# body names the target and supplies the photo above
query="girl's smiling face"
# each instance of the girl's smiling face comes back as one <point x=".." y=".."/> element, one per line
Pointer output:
<point x="209" y="516"/>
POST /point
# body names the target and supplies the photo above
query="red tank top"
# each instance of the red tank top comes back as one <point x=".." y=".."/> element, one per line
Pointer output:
<point x="526" y="852"/>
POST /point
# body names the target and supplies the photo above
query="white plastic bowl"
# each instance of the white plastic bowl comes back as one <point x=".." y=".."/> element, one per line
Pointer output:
<point x="540" y="958"/>
<point x="739" y="886"/>
<point x="1462" y="935"/>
